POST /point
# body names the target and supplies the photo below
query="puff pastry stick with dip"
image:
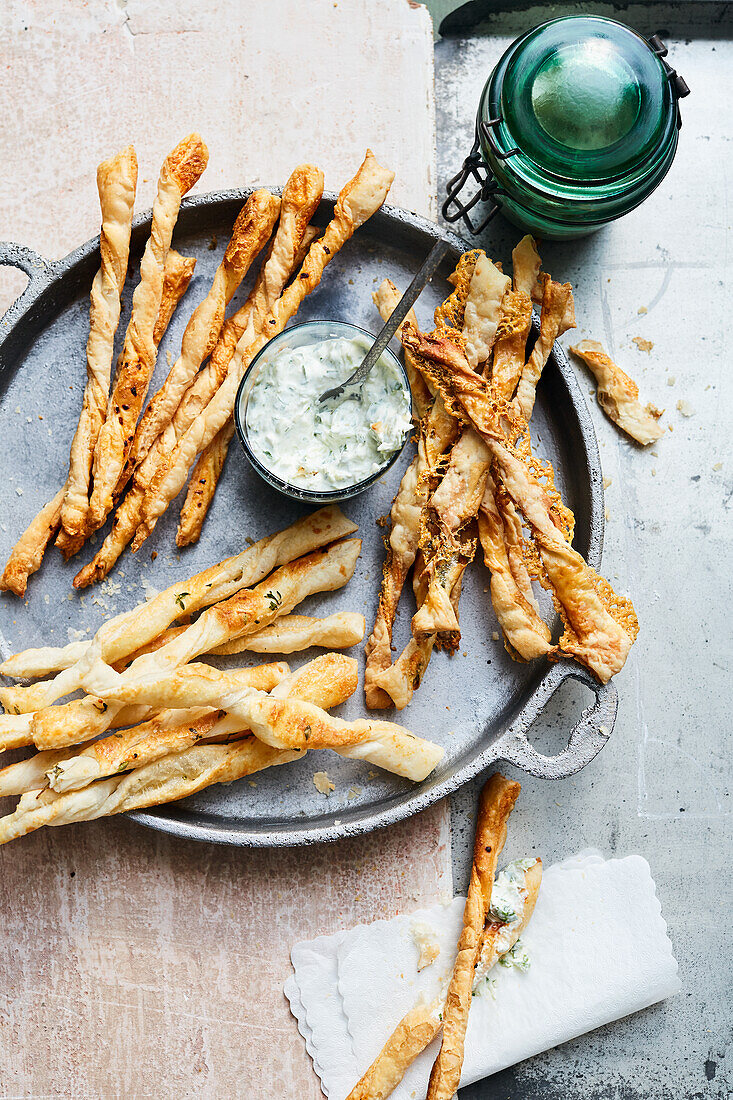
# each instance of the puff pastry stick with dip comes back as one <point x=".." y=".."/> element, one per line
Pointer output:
<point x="496" y="803"/>
<point x="27" y="554"/>
<point x="417" y="1029"/>
<point x="116" y="184"/>
<point x="180" y="171"/>
<point x="129" y="631"/>
<point x="357" y="201"/>
<point x="618" y="395"/>
<point x="301" y="196"/>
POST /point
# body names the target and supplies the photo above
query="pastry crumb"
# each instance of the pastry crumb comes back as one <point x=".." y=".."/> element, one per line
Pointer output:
<point x="354" y="792"/>
<point x="642" y="344"/>
<point x="18" y="490"/>
<point x="718" y="466"/>
<point x="495" y="635"/>
<point x="685" y="408"/>
<point x="642" y="309"/>
<point x="426" y="944"/>
<point x="607" y="483"/>
<point x="672" y="379"/>
<point x="322" y="783"/>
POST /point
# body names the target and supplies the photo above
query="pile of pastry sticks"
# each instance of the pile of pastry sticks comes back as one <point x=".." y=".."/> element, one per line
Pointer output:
<point x="152" y="726"/>
<point x="484" y="939"/>
<point x="136" y="465"/>
<point x="475" y="479"/>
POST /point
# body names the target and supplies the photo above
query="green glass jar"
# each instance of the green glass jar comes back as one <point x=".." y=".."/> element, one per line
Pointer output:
<point x="577" y="124"/>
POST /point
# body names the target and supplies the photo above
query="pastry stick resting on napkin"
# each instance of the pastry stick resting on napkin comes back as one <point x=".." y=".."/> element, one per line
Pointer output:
<point x="485" y="936"/>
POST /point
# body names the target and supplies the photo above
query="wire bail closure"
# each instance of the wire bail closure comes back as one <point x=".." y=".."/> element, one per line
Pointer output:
<point x="677" y="83"/>
<point x="474" y="168"/>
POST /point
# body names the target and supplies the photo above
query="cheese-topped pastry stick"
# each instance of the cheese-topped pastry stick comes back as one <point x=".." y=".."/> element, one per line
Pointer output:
<point x="78" y="765"/>
<point x="495" y="805"/>
<point x="418" y="1028"/>
<point x="251" y="232"/>
<point x="618" y="395"/>
<point x="511" y="589"/>
<point x="116" y="184"/>
<point x="27" y="554"/>
<point x="358" y="200"/>
<point x="177" y="276"/>
<point x="455" y="502"/>
<point x="600" y="627"/>
<point x="556" y="317"/>
<point x="283" y="724"/>
<point x="131" y="630"/>
<point x="202" y="485"/>
<point x="301" y="196"/>
<point x="207" y="471"/>
<point x="438" y="430"/>
<point x="511" y="342"/>
<point x="322" y="571"/>
<point x="181" y="170"/>
<point x="526" y="264"/>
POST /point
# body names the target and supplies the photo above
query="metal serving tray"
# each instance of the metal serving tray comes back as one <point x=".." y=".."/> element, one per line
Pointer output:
<point x="479" y="704"/>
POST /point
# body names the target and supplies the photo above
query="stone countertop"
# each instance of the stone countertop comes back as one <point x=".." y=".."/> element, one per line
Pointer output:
<point x="661" y="786"/>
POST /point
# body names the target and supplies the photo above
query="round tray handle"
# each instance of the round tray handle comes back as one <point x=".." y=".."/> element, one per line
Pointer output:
<point x="36" y="267"/>
<point x="586" y="739"/>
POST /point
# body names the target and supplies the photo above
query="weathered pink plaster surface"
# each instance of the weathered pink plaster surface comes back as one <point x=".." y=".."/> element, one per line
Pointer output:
<point x="133" y="965"/>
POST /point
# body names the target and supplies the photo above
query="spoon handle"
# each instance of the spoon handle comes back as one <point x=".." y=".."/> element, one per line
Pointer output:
<point x="422" y="278"/>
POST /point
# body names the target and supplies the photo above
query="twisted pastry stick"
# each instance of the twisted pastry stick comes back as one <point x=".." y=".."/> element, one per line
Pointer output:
<point x="357" y="201"/>
<point x="323" y="571"/>
<point x="301" y="196"/>
<point x="511" y="590"/>
<point x="417" y="1029"/>
<point x="600" y="627"/>
<point x="384" y="682"/>
<point x="131" y="630"/>
<point x="202" y="486"/>
<point x="181" y="169"/>
<point x="67" y="769"/>
<point x="557" y="316"/>
<point x="116" y="184"/>
<point x="251" y="232"/>
<point x="207" y="471"/>
<point x="328" y="681"/>
<point x="177" y="276"/>
<point x="182" y="773"/>
<point x="27" y="554"/>
<point x="495" y="805"/>
<point x="280" y="723"/>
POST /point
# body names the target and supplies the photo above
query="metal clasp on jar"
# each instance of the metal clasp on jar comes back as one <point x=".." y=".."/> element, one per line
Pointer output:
<point x="474" y="167"/>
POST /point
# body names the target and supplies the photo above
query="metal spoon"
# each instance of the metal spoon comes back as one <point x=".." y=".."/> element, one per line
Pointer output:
<point x="405" y="304"/>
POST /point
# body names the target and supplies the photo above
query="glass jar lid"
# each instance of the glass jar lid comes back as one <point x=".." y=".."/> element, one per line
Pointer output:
<point x="580" y="103"/>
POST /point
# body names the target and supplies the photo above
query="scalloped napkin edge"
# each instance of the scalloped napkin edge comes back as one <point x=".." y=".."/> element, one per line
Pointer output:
<point x="599" y="951"/>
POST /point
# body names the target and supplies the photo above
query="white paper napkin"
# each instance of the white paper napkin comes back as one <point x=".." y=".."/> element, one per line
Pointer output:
<point x="599" y="951"/>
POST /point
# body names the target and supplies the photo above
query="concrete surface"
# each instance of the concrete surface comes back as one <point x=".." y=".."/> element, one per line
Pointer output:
<point x="661" y="786"/>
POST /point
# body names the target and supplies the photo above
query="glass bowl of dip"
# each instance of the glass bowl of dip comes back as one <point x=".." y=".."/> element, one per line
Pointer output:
<point x="330" y="452"/>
